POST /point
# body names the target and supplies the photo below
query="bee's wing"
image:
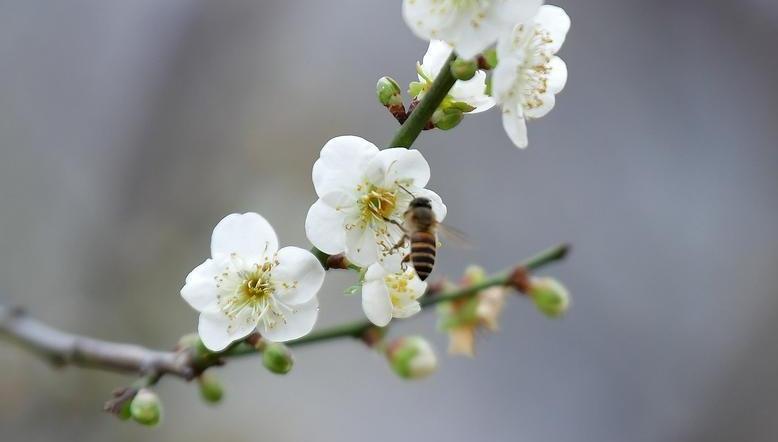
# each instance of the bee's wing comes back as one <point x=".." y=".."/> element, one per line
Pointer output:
<point x="454" y="236"/>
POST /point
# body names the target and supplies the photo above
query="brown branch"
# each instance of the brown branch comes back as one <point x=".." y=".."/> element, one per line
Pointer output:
<point x="61" y="348"/>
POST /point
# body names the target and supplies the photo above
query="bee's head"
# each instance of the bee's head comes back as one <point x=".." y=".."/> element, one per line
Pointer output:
<point x="420" y="202"/>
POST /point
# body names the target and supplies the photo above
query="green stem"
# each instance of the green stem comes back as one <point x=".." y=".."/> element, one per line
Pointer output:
<point x="415" y="123"/>
<point x="357" y="329"/>
<point x="422" y="113"/>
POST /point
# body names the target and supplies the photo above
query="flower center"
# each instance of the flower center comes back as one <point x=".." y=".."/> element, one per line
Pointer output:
<point x="247" y="293"/>
<point x="533" y="73"/>
<point x="377" y="204"/>
<point x="400" y="292"/>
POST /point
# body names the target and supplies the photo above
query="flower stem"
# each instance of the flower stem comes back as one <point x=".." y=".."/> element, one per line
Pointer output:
<point x="358" y="328"/>
<point x="422" y="113"/>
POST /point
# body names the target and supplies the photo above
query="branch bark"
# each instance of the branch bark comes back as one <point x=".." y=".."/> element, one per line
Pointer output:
<point x="62" y="348"/>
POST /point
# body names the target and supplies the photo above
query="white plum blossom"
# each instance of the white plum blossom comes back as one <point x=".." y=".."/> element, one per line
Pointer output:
<point x="387" y="295"/>
<point x="471" y="92"/>
<point x="470" y="26"/>
<point x="363" y="194"/>
<point x="248" y="284"/>
<point x="528" y="74"/>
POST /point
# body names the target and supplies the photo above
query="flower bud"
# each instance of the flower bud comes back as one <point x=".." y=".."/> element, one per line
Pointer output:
<point x="463" y="69"/>
<point x="412" y="357"/>
<point x="473" y="274"/>
<point x="210" y="388"/>
<point x="447" y="118"/>
<point x="550" y="296"/>
<point x="488" y="59"/>
<point x="388" y="92"/>
<point x="277" y="358"/>
<point x="145" y="408"/>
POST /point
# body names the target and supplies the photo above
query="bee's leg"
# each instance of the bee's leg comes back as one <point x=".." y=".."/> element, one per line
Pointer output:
<point x="400" y="244"/>
<point x="405" y="261"/>
<point x="391" y="221"/>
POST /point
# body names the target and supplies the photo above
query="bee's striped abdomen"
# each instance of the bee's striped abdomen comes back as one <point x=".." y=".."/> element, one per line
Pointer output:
<point x="423" y="245"/>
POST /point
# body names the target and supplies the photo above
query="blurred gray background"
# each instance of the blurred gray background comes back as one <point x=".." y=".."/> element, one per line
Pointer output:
<point x="129" y="128"/>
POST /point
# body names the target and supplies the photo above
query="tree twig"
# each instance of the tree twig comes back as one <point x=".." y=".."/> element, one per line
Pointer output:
<point x="62" y="348"/>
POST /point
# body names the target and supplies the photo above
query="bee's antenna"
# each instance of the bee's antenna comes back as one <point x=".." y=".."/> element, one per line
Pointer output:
<point x="406" y="190"/>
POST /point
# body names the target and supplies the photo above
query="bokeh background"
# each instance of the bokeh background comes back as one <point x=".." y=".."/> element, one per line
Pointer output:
<point x="129" y="128"/>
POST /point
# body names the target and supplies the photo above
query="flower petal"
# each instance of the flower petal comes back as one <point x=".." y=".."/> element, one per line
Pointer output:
<point x="556" y="21"/>
<point x="407" y="310"/>
<point x="341" y="163"/>
<point x="375" y="273"/>
<point x="248" y="235"/>
<point x="515" y="127"/>
<point x="200" y="287"/>
<point x="438" y="208"/>
<point x="504" y="78"/>
<point x="297" y="324"/>
<point x="398" y="164"/>
<point x="298" y="276"/>
<point x="324" y="228"/>
<point x="217" y="330"/>
<point x="547" y="102"/>
<point x="473" y="92"/>
<point x="436" y="56"/>
<point x="361" y="247"/>
<point x="392" y="263"/>
<point x="426" y="18"/>
<point x="557" y="77"/>
<point x="376" y="302"/>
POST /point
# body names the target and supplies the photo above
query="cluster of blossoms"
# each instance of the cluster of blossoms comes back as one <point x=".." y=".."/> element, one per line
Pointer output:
<point x="527" y="75"/>
<point x="250" y="285"/>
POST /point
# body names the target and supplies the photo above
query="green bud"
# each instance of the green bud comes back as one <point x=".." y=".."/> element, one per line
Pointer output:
<point x="447" y="118"/>
<point x="277" y="358"/>
<point x="490" y="56"/>
<point x="145" y="408"/>
<point x="210" y="388"/>
<point x="388" y="92"/>
<point x="463" y="69"/>
<point x="550" y="296"/>
<point x="412" y="357"/>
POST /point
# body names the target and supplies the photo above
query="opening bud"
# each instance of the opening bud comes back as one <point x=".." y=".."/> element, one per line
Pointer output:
<point x="146" y="408"/>
<point x="277" y="358"/>
<point x="388" y="92"/>
<point x="463" y="69"/>
<point x="412" y="357"/>
<point x="550" y="296"/>
<point x="210" y="388"/>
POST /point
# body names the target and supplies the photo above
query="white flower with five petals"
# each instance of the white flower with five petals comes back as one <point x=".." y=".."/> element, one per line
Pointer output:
<point x="248" y="284"/>
<point x="528" y="74"/>
<point x="387" y="295"/>
<point x="471" y="92"/>
<point x="363" y="194"/>
<point x="470" y="26"/>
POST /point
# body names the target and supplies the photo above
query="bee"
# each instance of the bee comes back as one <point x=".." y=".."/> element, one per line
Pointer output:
<point x="421" y="230"/>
